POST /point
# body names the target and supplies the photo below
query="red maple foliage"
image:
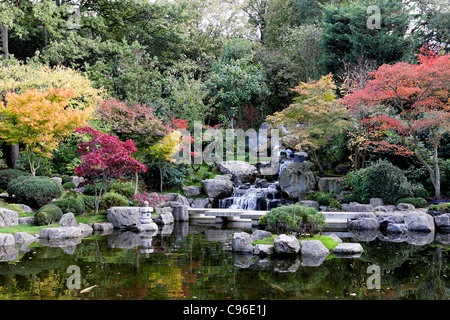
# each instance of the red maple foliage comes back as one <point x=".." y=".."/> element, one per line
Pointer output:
<point x="104" y="159"/>
<point x="414" y="102"/>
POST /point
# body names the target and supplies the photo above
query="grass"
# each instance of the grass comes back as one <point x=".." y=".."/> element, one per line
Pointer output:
<point x="26" y="228"/>
<point x="327" y="241"/>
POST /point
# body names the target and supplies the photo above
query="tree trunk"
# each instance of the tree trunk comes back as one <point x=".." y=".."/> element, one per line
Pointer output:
<point x="14" y="155"/>
<point x="5" y="46"/>
<point x="136" y="180"/>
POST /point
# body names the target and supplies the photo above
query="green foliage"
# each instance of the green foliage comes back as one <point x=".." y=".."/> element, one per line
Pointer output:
<point x="294" y="219"/>
<point x="89" y="203"/>
<point x="441" y="207"/>
<point x="351" y="197"/>
<point x="71" y="204"/>
<point x="47" y="215"/>
<point x="9" y="174"/>
<point x="69" y="185"/>
<point x="125" y="188"/>
<point x="421" y="193"/>
<point x="34" y="191"/>
<point x="416" y="202"/>
<point x="380" y="180"/>
<point x="113" y="199"/>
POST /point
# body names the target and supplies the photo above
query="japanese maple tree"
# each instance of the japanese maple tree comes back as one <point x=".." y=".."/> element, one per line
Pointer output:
<point x="39" y="120"/>
<point x="407" y="107"/>
<point x="104" y="159"/>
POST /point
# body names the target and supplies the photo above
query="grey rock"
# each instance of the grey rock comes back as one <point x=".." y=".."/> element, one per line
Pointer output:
<point x="419" y="221"/>
<point x="284" y="244"/>
<point x="192" y="191"/>
<point x="364" y="224"/>
<point x="388" y="208"/>
<point x="85" y="229"/>
<point x="24" y="237"/>
<point x="60" y="233"/>
<point x="405" y="207"/>
<point x="335" y="238"/>
<point x="146" y="227"/>
<point x="313" y="248"/>
<point x="330" y="184"/>
<point x="57" y="179"/>
<point x="260" y="234"/>
<point x="124" y="217"/>
<point x="27" y="221"/>
<point x="164" y="218"/>
<point x="388" y="218"/>
<point x="8" y="218"/>
<point x="348" y="249"/>
<point x="103" y="226"/>
<point x="397" y="228"/>
<point x="201" y="203"/>
<point x="376" y="202"/>
<point x="219" y="187"/>
<point x="6" y="239"/>
<point x="68" y="220"/>
<point x="180" y="213"/>
<point x="26" y="208"/>
<point x="362" y="208"/>
<point x="296" y="179"/>
<point x="77" y="180"/>
<point x="175" y="199"/>
<point x="310" y="203"/>
<point x="240" y="171"/>
<point x="242" y="242"/>
<point x="263" y="249"/>
<point x="443" y="222"/>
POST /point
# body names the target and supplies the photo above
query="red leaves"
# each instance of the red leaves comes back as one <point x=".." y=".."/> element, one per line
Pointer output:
<point x="106" y="157"/>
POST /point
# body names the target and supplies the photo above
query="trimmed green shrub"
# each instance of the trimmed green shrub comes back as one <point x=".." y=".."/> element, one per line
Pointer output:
<point x="421" y="193"/>
<point x="294" y="218"/>
<point x="440" y="208"/>
<point x="416" y="202"/>
<point x="70" y="204"/>
<point x="324" y="200"/>
<point x="351" y="197"/>
<point x="47" y="214"/>
<point x="69" y="185"/>
<point x="113" y="199"/>
<point x="89" y="203"/>
<point x="34" y="191"/>
<point x="380" y="180"/>
<point x="10" y="174"/>
<point x="125" y="188"/>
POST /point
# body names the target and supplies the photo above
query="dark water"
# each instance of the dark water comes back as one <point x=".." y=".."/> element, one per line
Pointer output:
<point x="194" y="262"/>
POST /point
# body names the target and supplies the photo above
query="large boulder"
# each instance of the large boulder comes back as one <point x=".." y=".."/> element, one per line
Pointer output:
<point x="313" y="248"/>
<point x="348" y="249"/>
<point x="6" y="239"/>
<point x="443" y="222"/>
<point x="330" y="184"/>
<point x="242" y="242"/>
<point x="310" y="203"/>
<point x="364" y="224"/>
<point x="68" y="220"/>
<point x="175" y="199"/>
<point x="240" y="171"/>
<point x="8" y="218"/>
<point x="296" y="179"/>
<point x="180" y="213"/>
<point x="284" y="244"/>
<point x="192" y="191"/>
<point x="60" y="233"/>
<point x="419" y="221"/>
<point x="219" y="187"/>
<point x="124" y="217"/>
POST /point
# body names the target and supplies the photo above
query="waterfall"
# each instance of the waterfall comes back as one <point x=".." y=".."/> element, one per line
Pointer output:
<point x="253" y="198"/>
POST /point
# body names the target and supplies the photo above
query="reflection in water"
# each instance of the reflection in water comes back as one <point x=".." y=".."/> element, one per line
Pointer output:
<point x="186" y="261"/>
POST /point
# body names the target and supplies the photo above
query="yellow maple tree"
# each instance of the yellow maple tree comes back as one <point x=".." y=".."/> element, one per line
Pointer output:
<point x="39" y="120"/>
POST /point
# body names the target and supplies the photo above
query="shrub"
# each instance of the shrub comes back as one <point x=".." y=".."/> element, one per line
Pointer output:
<point x="71" y="204"/>
<point x="113" y="199"/>
<point x="416" y="202"/>
<point x="34" y="191"/>
<point x="47" y="214"/>
<point x="440" y="208"/>
<point x="351" y="197"/>
<point x="324" y="200"/>
<point x="69" y="185"/>
<point x="335" y="204"/>
<point x="10" y="174"/>
<point x="380" y="180"/>
<point x="153" y="199"/>
<point x="294" y="218"/>
<point x="421" y="193"/>
<point x="207" y="175"/>
<point x="89" y="203"/>
<point x="125" y="188"/>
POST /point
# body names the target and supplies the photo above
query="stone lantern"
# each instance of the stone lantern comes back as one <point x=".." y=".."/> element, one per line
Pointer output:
<point x="146" y="214"/>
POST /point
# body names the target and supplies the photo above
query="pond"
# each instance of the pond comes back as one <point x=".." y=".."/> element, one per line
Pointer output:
<point x="195" y="262"/>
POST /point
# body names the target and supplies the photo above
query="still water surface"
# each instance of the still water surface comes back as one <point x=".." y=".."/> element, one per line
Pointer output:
<point x="195" y="262"/>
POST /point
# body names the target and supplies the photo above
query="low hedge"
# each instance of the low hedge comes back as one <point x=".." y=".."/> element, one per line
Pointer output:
<point x="47" y="215"/>
<point x="416" y="202"/>
<point x="34" y="191"/>
<point x="71" y="204"/>
<point x="10" y="174"/>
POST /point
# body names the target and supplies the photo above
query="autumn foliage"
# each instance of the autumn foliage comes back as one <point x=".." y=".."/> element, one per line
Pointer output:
<point x="405" y="106"/>
<point x="104" y="159"/>
<point x="39" y="120"/>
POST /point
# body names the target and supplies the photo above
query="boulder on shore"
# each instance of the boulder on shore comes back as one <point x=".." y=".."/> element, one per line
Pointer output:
<point x="284" y="244"/>
<point x="240" y="171"/>
<point x="296" y="179"/>
<point x="219" y="187"/>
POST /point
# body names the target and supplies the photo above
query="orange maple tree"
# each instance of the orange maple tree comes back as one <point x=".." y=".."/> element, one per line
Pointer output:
<point x="407" y="107"/>
<point x="38" y="121"/>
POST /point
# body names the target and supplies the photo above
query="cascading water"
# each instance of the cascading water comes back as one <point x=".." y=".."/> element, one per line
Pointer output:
<point x="262" y="195"/>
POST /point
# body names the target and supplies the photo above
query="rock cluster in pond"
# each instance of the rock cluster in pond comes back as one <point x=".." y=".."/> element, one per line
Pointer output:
<point x="312" y="252"/>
